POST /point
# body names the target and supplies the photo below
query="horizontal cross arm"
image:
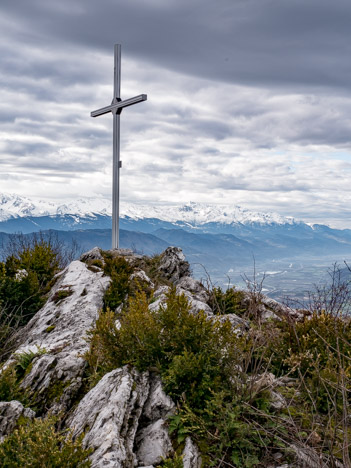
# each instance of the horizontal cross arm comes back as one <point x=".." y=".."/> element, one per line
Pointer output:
<point x="119" y="105"/>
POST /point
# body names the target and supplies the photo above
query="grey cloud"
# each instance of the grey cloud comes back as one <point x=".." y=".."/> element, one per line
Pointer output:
<point x="274" y="43"/>
<point x="235" y="88"/>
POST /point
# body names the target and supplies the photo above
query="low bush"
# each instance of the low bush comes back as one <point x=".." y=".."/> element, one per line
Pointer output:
<point x="37" y="444"/>
<point x="227" y="302"/>
<point x="10" y="386"/>
<point x="171" y="340"/>
<point x="119" y="270"/>
<point x="12" y="375"/>
<point x="26" y="277"/>
<point x="317" y="351"/>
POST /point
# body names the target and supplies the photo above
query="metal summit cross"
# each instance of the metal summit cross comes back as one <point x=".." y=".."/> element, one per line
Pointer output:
<point x="116" y="108"/>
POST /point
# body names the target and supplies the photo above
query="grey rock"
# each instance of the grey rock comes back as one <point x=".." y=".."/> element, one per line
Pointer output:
<point x="195" y="304"/>
<point x="266" y="308"/>
<point x="93" y="254"/>
<point x="10" y="412"/>
<point x="265" y="381"/>
<point x="61" y="328"/>
<point x="236" y="321"/>
<point x="142" y="276"/>
<point x="161" y="291"/>
<point x="278" y="402"/>
<point x="153" y="443"/>
<point x="158" y="405"/>
<point x="173" y="264"/>
<point x="122" y="252"/>
<point x="191" y="455"/>
<point x="160" y="296"/>
<point x="196" y="288"/>
<point x="109" y="414"/>
<point x="280" y="310"/>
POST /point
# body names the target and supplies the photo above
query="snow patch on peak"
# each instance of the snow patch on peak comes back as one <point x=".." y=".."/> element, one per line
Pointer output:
<point x="12" y="206"/>
<point x="201" y="213"/>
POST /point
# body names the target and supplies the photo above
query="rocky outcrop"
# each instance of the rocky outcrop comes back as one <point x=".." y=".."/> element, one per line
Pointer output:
<point x="124" y="420"/>
<point x="124" y="416"/>
<point x="173" y="265"/>
<point x="109" y="414"/>
<point x="265" y="308"/>
<point x="93" y="254"/>
<point x="10" y="413"/>
<point x="58" y="331"/>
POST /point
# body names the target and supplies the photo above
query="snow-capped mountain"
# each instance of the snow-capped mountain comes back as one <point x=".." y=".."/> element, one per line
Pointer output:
<point x="195" y="214"/>
<point x="14" y="206"/>
<point x="201" y="213"/>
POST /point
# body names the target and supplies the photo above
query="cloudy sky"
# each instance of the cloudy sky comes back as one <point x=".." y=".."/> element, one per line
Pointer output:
<point x="249" y="102"/>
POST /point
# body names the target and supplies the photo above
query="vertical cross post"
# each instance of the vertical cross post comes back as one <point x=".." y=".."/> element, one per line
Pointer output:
<point x="116" y="108"/>
<point x="116" y="148"/>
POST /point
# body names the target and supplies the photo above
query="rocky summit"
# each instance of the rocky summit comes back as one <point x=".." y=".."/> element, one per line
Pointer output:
<point x="144" y="366"/>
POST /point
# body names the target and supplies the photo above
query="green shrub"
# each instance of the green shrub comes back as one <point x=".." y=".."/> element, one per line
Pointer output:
<point x="11" y="377"/>
<point x="315" y="350"/>
<point x="119" y="271"/>
<point x="61" y="295"/>
<point x="37" y="444"/>
<point x="175" y="462"/>
<point x="25" y="359"/>
<point x="227" y="302"/>
<point x="26" y="277"/>
<point x="181" y="345"/>
<point x="10" y="386"/>
<point x="230" y="427"/>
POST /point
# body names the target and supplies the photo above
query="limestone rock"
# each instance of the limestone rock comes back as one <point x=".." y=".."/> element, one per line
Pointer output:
<point x="142" y="276"/>
<point x="191" y="455"/>
<point x="160" y="298"/>
<point x="307" y="457"/>
<point x="278" y="402"/>
<point x="236" y="321"/>
<point x="10" y="412"/>
<point x="158" y="405"/>
<point x="93" y="254"/>
<point x="195" y="304"/>
<point x="281" y="310"/>
<point x="173" y="264"/>
<point x="153" y="443"/>
<point x="196" y="288"/>
<point x="110" y="413"/>
<point x="266" y="308"/>
<point x="60" y="329"/>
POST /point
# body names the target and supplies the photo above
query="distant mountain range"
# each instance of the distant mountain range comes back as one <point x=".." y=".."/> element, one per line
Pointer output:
<point x="218" y="238"/>
<point x="192" y="214"/>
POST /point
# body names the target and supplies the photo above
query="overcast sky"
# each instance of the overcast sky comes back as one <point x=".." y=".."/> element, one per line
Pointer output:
<point x="249" y="102"/>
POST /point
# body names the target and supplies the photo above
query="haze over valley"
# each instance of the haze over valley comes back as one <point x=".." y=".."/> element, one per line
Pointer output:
<point x="223" y="243"/>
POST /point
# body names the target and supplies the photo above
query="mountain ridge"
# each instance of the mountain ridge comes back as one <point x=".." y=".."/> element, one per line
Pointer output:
<point x="192" y="213"/>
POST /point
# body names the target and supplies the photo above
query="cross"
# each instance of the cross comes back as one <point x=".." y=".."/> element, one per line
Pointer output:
<point x="116" y="108"/>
